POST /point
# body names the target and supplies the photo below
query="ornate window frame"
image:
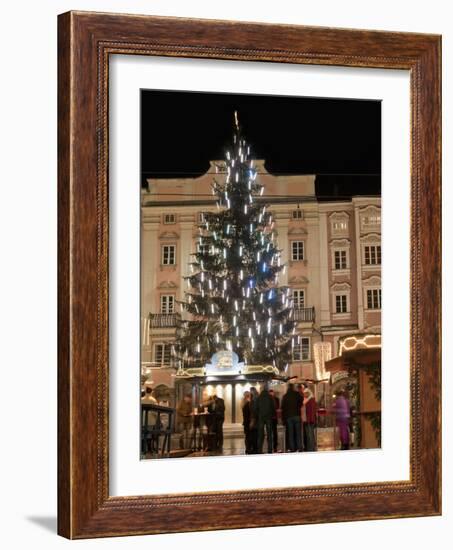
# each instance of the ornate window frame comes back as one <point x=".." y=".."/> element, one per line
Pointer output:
<point x="371" y="239"/>
<point x="162" y="253"/>
<point x="367" y="212"/>
<point x="339" y="217"/>
<point x="340" y="245"/>
<point x="372" y="283"/>
<point x="166" y="296"/>
<point x="304" y="250"/>
<point x="296" y="234"/>
<point x="340" y="289"/>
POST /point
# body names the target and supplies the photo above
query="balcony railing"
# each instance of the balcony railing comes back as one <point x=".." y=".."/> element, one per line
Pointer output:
<point x="304" y="314"/>
<point x="163" y="320"/>
<point x="169" y="320"/>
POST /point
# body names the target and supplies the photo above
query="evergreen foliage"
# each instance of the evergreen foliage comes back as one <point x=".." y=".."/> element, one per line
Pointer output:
<point x="232" y="294"/>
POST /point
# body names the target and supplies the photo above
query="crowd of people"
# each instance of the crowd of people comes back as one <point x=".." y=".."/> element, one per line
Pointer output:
<point x="263" y="411"/>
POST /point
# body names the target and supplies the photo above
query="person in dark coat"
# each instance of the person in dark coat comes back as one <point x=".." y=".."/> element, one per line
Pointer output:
<point x="265" y="410"/>
<point x="303" y="415"/>
<point x="309" y="424"/>
<point x="275" y="420"/>
<point x="217" y="408"/>
<point x="291" y="404"/>
<point x="246" y="417"/>
<point x="253" y="424"/>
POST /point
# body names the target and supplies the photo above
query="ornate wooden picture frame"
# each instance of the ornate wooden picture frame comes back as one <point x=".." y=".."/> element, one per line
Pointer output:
<point x="85" y="507"/>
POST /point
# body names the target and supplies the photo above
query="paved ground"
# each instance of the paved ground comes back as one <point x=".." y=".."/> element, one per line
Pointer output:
<point x="234" y="444"/>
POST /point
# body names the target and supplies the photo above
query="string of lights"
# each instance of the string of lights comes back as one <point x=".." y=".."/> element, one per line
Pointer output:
<point x="233" y="293"/>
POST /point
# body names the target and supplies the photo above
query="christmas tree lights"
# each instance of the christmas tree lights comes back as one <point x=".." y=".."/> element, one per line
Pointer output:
<point x="232" y="295"/>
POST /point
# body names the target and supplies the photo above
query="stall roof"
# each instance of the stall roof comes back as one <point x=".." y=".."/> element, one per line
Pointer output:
<point x="228" y="379"/>
<point x="354" y="359"/>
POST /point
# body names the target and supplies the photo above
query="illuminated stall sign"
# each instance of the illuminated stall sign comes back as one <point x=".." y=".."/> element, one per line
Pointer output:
<point x="362" y="341"/>
<point x="224" y="362"/>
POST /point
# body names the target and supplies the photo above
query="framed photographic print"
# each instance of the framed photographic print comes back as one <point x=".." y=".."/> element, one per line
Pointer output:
<point x="249" y="275"/>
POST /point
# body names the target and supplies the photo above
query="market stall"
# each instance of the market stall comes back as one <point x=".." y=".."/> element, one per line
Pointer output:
<point x="228" y="378"/>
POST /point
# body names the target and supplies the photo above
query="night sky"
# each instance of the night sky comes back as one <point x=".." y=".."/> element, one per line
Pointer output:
<point x="338" y="140"/>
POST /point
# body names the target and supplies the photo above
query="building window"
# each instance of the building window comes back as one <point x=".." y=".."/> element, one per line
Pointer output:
<point x="339" y="226"/>
<point x="373" y="255"/>
<point x="341" y="303"/>
<point x="167" y="303"/>
<point x="372" y="220"/>
<point x="162" y="354"/>
<point x="297" y="248"/>
<point x="298" y="299"/>
<point x="373" y="298"/>
<point x="298" y="214"/>
<point x="168" y="254"/>
<point x="169" y="218"/>
<point x="340" y="259"/>
<point x="301" y="351"/>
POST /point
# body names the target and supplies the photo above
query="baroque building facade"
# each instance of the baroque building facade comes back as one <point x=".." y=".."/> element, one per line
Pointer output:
<point x="332" y="252"/>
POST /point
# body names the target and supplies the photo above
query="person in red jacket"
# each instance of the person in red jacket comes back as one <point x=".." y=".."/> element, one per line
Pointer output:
<point x="310" y="422"/>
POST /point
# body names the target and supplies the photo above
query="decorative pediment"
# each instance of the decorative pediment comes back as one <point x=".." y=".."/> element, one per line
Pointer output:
<point x="340" y="286"/>
<point x="339" y="223"/>
<point x="340" y="243"/>
<point x="167" y="285"/>
<point x="375" y="280"/>
<point x="371" y="238"/>
<point x="168" y="236"/>
<point x="339" y="216"/>
<point x="295" y="231"/>
<point x="301" y="280"/>
<point x="370" y="217"/>
<point x="370" y="210"/>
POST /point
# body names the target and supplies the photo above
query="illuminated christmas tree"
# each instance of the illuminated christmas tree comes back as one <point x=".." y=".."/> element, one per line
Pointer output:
<point x="232" y="293"/>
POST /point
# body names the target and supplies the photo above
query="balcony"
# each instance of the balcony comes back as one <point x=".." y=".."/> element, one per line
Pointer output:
<point x="169" y="320"/>
<point x="163" y="320"/>
<point x="304" y="314"/>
